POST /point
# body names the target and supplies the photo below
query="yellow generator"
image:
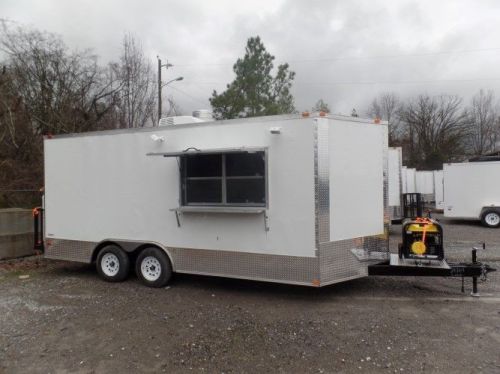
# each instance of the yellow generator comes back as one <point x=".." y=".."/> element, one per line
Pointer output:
<point x="422" y="240"/>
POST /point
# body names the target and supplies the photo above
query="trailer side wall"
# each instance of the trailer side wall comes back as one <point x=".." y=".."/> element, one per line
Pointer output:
<point x="102" y="187"/>
<point x="468" y="187"/>
<point x="356" y="180"/>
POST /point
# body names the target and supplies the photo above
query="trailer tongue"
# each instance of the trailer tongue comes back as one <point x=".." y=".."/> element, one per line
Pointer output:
<point x="425" y="267"/>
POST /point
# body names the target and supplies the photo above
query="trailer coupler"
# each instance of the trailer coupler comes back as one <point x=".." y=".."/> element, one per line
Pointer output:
<point x="474" y="270"/>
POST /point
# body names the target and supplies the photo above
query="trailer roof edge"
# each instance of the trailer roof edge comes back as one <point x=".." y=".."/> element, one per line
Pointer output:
<point x="220" y="122"/>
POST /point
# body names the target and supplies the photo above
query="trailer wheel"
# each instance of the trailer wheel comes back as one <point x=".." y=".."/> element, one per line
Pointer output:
<point x="153" y="267"/>
<point x="112" y="264"/>
<point x="491" y="218"/>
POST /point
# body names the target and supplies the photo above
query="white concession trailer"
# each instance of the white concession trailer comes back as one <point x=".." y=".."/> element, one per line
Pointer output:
<point x="424" y="184"/>
<point x="472" y="191"/>
<point x="395" y="182"/>
<point x="403" y="179"/>
<point x="438" y="189"/>
<point x="291" y="199"/>
<point x="411" y="185"/>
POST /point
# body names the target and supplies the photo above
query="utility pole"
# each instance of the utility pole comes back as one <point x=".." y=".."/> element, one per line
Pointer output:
<point x="167" y="65"/>
<point x="159" y="88"/>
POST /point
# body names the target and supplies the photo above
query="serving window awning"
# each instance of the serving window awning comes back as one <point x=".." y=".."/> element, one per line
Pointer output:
<point x="195" y="151"/>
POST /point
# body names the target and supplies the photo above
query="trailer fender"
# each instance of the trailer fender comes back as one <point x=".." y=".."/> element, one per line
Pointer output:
<point x="132" y="248"/>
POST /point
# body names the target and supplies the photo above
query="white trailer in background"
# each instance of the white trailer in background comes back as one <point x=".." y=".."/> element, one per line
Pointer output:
<point x="472" y="191"/>
<point x="411" y="186"/>
<point x="395" y="184"/>
<point x="438" y="189"/>
<point x="403" y="179"/>
<point x="285" y="199"/>
<point x="424" y="184"/>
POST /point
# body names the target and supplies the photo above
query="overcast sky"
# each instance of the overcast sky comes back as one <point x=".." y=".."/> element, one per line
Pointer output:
<point x="345" y="52"/>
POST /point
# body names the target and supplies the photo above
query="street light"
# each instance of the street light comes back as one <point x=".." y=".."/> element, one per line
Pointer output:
<point x="161" y="85"/>
<point x="173" y="80"/>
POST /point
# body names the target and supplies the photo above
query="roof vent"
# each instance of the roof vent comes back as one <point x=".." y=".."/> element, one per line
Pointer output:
<point x="179" y="120"/>
<point x="204" y="114"/>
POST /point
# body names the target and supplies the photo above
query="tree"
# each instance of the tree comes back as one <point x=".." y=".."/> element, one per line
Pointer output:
<point x="173" y="108"/>
<point x="387" y="107"/>
<point x="483" y="124"/>
<point x="320" y="106"/>
<point x="61" y="91"/>
<point x="136" y="86"/>
<point x="435" y="130"/>
<point x="254" y="91"/>
<point x="20" y="148"/>
<point x="45" y="89"/>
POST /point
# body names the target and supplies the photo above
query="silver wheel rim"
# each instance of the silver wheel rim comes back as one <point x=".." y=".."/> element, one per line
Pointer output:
<point x="110" y="264"/>
<point x="492" y="219"/>
<point x="150" y="268"/>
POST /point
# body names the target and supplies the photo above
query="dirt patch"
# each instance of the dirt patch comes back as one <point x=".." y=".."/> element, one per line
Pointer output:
<point x="63" y="318"/>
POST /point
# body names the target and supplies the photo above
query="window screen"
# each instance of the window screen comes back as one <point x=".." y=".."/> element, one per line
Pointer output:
<point x="233" y="179"/>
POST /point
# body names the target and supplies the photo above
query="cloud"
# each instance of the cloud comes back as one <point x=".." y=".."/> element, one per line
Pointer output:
<point x="345" y="52"/>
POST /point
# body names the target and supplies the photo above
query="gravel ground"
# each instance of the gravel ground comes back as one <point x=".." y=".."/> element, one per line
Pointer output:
<point x="57" y="317"/>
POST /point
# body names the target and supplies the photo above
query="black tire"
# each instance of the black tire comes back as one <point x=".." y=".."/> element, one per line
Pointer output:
<point x="153" y="267"/>
<point x="491" y="218"/>
<point x="113" y="264"/>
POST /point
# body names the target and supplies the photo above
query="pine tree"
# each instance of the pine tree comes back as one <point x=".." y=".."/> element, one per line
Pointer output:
<point x="254" y="91"/>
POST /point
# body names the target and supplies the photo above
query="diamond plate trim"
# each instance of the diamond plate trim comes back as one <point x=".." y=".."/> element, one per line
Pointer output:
<point x="321" y="181"/>
<point x="256" y="266"/>
<point x="383" y="241"/>
<point x="399" y="212"/>
<point x="338" y="263"/>
<point x="69" y="250"/>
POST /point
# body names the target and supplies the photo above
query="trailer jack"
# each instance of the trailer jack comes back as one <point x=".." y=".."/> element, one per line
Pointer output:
<point x="416" y="268"/>
<point x="38" y="229"/>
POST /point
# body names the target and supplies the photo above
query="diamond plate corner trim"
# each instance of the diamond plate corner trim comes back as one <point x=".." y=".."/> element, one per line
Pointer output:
<point x="321" y="181"/>
<point x="338" y="263"/>
<point x="400" y="165"/>
<point x="384" y="241"/>
<point x="69" y="250"/>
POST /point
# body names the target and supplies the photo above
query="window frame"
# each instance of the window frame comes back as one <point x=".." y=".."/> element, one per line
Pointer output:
<point x="223" y="178"/>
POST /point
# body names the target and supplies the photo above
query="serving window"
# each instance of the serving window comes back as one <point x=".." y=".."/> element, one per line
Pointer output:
<point x="224" y="179"/>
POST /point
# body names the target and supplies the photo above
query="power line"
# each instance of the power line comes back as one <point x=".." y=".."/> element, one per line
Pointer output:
<point x="333" y="59"/>
<point x="188" y="95"/>
<point x="398" y="55"/>
<point x="430" y="81"/>
<point x="340" y="83"/>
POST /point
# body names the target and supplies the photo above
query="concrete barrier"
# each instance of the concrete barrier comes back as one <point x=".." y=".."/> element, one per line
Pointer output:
<point x="16" y="233"/>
